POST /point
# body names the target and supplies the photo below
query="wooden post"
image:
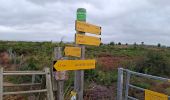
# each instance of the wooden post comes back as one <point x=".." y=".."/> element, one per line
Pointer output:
<point x="32" y="96"/>
<point x="49" y="85"/>
<point x="54" y="82"/>
<point x="1" y="83"/>
<point x="33" y="80"/>
<point x="79" y="75"/>
<point x="60" y="91"/>
<point x="79" y="79"/>
<point x="60" y="83"/>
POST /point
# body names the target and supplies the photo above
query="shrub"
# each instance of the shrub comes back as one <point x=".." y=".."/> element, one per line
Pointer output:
<point x="119" y="43"/>
<point x="155" y="63"/>
<point x="112" y="43"/>
<point x="159" y="45"/>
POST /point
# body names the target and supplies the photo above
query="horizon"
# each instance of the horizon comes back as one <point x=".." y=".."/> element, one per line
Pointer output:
<point x="116" y="43"/>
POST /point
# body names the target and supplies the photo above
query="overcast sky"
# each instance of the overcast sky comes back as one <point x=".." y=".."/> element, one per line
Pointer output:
<point x="125" y="21"/>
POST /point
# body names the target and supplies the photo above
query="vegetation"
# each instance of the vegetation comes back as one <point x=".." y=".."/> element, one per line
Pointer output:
<point x="141" y="58"/>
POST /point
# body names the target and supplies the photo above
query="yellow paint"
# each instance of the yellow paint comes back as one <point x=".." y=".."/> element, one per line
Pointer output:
<point x="73" y="93"/>
<point x="89" y="28"/>
<point x="168" y="80"/>
<point x="87" y="40"/>
<point x="62" y="65"/>
<point x="72" y="51"/>
<point x="151" y="95"/>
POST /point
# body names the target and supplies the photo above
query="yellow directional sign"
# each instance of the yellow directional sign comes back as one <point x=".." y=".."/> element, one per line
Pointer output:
<point x="72" y="51"/>
<point x="61" y="65"/>
<point x="87" y="40"/>
<point x="151" y="95"/>
<point x="89" y="28"/>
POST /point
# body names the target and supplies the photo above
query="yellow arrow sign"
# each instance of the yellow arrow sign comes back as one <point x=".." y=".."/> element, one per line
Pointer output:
<point x="72" y="51"/>
<point x="151" y="95"/>
<point x="89" y="28"/>
<point x="61" y="65"/>
<point x="87" y="40"/>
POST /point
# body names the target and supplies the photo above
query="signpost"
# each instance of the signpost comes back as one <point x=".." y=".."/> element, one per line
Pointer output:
<point x="87" y="40"/>
<point x="89" y="28"/>
<point x="151" y="95"/>
<point x="81" y="39"/>
<point x="61" y="65"/>
<point x="79" y="74"/>
<point x="72" y="51"/>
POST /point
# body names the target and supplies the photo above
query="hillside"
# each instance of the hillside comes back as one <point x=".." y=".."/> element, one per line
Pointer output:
<point x="140" y="58"/>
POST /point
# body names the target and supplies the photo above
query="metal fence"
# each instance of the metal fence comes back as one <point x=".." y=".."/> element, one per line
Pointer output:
<point x="123" y="94"/>
<point x="46" y="73"/>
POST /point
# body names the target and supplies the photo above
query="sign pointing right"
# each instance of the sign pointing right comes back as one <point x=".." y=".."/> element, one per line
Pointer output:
<point x="89" y="28"/>
<point x="87" y="40"/>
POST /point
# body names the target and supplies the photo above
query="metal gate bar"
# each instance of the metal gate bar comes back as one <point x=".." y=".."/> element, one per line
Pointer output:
<point x="132" y="98"/>
<point x="127" y="85"/>
<point x="46" y="72"/>
<point x="25" y="92"/>
<point x="129" y="73"/>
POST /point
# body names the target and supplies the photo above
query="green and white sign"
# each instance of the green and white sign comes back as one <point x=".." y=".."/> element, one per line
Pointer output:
<point x="81" y="14"/>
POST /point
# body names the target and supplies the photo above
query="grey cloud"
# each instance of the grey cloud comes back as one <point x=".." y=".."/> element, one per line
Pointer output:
<point x="121" y="20"/>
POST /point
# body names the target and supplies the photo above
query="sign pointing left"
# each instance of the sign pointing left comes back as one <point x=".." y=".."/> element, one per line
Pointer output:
<point x="61" y="65"/>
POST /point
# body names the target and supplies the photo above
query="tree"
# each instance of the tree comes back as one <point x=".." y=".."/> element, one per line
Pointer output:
<point x="119" y="43"/>
<point x="112" y="43"/>
<point x="135" y="45"/>
<point x="159" y="45"/>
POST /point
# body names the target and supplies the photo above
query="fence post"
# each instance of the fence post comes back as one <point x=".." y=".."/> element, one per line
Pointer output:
<point x="120" y="84"/>
<point x="49" y="84"/>
<point x="127" y="85"/>
<point x="32" y="96"/>
<point x="1" y="83"/>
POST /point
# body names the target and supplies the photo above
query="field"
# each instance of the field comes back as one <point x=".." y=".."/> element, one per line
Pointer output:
<point x="102" y="81"/>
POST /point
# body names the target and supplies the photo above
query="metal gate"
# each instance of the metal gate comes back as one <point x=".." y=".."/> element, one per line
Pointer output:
<point x="123" y="93"/>
<point x="46" y="73"/>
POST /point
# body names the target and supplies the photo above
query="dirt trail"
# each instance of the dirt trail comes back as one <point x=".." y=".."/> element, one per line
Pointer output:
<point x="99" y="92"/>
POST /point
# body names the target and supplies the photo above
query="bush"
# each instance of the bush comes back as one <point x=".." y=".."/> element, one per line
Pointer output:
<point x="112" y="43"/>
<point x="101" y="77"/>
<point x="119" y="43"/>
<point x="155" y="63"/>
<point x="159" y="45"/>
